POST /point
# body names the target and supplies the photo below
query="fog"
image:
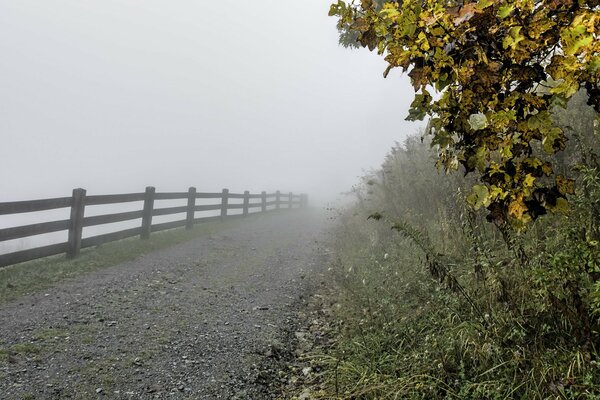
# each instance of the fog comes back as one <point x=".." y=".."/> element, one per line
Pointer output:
<point x="113" y="96"/>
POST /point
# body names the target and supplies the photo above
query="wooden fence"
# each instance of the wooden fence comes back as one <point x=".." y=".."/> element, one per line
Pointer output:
<point x="77" y="221"/>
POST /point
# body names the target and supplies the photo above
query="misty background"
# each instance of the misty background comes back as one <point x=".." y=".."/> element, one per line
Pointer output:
<point x="115" y="95"/>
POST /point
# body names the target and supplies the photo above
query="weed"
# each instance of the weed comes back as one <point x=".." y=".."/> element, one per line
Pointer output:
<point x="437" y="303"/>
<point x="51" y="334"/>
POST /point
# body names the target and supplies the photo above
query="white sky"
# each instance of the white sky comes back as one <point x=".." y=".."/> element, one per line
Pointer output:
<point x="115" y="95"/>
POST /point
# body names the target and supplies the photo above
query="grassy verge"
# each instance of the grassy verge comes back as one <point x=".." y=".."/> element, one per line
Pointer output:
<point x="37" y="275"/>
<point x="434" y="302"/>
<point x="403" y="335"/>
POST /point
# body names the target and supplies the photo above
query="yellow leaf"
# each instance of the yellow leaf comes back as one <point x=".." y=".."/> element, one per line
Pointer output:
<point x="496" y="192"/>
<point x="565" y="185"/>
<point x="422" y="41"/>
<point x="547" y="169"/>
<point x="528" y="181"/>
<point x="517" y="207"/>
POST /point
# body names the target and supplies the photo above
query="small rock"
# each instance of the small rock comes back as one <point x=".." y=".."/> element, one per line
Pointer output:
<point x="99" y="390"/>
<point x="154" y="388"/>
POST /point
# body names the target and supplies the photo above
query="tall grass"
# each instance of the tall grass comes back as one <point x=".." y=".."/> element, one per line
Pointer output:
<point x="436" y="303"/>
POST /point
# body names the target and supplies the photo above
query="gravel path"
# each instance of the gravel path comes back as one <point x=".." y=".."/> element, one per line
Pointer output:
<point x="198" y="320"/>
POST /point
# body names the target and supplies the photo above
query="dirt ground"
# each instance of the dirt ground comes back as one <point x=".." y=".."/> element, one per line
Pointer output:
<point x="201" y="320"/>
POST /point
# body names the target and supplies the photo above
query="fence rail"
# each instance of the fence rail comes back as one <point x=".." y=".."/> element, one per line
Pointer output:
<point x="77" y="221"/>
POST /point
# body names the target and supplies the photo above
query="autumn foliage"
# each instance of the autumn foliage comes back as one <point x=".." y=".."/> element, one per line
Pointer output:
<point x="499" y="68"/>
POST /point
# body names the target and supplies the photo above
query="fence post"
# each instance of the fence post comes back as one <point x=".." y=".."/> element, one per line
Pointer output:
<point x="277" y="200"/>
<point x="191" y="205"/>
<point x="224" y="202"/>
<point x="147" y="213"/>
<point x="263" y="201"/>
<point x="303" y="200"/>
<point x="246" y="202"/>
<point x="290" y="200"/>
<point x="76" y="224"/>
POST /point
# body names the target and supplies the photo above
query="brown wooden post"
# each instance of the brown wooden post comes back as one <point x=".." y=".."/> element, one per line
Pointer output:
<point x="191" y="205"/>
<point x="147" y="213"/>
<point x="290" y="200"/>
<point x="224" y="202"/>
<point x="246" y="203"/>
<point x="277" y="200"/>
<point x="76" y="224"/>
<point x="263" y="201"/>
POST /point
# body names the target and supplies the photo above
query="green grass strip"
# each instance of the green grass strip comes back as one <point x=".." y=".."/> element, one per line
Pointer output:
<point x="35" y="276"/>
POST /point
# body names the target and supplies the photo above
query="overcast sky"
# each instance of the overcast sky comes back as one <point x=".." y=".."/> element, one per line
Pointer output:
<point x="115" y="95"/>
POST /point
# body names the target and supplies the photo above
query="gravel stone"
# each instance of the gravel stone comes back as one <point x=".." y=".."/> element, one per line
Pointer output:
<point x="207" y="319"/>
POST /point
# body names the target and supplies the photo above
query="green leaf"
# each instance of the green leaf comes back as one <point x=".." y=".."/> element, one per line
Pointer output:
<point x="483" y="4"/>
<point x="479" y="197"/>
<point x="553" y="140"/>
<point x="478" y="121"/>
<point x="513" y="38"/>
<point x="419" y="107"/>
<point x="594" y="64"/>
<point x="583" y="42"/>
<point x="337" y="9"/>
<point x="505" y="10"/>
<point x="540" y="121"/>
<point x="562" y="206"/>
<point x="416" y="114"/>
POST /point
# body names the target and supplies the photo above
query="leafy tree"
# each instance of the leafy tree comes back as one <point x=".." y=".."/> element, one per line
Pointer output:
<point x="500" y="67"/>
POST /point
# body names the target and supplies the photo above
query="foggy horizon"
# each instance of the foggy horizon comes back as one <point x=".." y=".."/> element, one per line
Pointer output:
<point x="114" y="96"/>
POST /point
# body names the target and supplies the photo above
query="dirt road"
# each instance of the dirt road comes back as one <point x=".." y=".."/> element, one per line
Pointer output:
<point x="199" y="320"/>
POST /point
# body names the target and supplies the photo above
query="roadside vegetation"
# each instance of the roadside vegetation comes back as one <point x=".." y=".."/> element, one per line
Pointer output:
<point x="484" y="283"/>
<point x="435" y="302"/>
<point x="37" y="275"/>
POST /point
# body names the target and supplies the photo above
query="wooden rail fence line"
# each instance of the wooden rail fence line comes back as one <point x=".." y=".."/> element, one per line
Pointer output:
<point x="77" y="221"/>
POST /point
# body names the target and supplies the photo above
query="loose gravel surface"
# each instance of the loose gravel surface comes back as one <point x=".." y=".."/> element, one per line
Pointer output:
<point x="201" y="320"/>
